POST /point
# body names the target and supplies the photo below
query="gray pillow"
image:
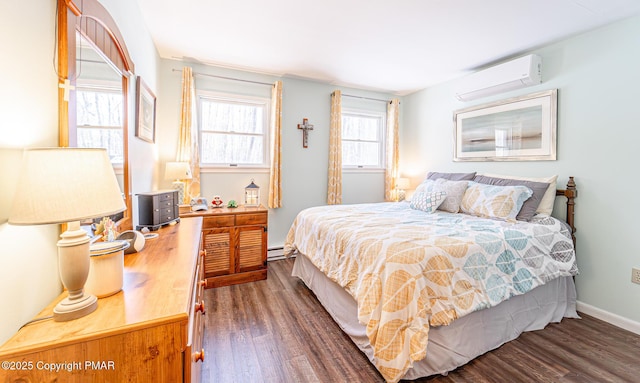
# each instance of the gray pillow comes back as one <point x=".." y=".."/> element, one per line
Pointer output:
<point x="530" y="206"/>
<point x="451" y="176"/>
<point x="455" y="191"/>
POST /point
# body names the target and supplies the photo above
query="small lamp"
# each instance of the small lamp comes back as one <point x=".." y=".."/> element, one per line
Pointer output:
<point x="178" y="171"/>
<point x="58" y="185"/>
<point x="252" y="195"/>
<point x="401" y="185"/>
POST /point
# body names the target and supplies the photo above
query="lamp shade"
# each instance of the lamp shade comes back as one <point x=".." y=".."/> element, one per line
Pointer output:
<point x="402" y="183"/>
<point x="58" y="185"/>
<point x="177" y="171"/>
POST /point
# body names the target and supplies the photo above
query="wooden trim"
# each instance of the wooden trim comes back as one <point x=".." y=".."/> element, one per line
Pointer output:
<point x="95" y="23"/>
<point x="571" y="193"/>
<point x="63" y="73"/>
<point x="93" y="10"/>
<point x="72" y="7"/>
<point x="127" y="222"/>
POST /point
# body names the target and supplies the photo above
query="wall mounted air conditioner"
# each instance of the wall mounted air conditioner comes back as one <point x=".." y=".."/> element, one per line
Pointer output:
<point x="519" y="73"/>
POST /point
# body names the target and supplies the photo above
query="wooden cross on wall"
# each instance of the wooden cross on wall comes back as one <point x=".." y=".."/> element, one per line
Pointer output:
<point x="67" y="87"/>
<point x="306" y="127"/>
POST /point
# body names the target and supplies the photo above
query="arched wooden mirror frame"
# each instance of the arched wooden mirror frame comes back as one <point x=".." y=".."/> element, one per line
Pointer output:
<point x="95" y="23"/>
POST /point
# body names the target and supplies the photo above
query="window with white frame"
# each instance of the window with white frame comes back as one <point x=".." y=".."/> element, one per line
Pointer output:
<point x="99" y="120"/>
<point x="363" y="139"/>
<point x="233" y="131"/>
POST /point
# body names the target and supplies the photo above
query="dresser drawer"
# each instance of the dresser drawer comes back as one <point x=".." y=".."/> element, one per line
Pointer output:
<point x="167" y="215"/>
<point x="251" y="219"/>
<point x="166" y="197"/>
<point x="167" y="203"/>
<point x="221" y="221"/>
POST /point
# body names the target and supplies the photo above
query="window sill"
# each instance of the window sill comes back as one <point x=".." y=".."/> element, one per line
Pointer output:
<point x="233" y="169"/>
<point x="362" y="170"/>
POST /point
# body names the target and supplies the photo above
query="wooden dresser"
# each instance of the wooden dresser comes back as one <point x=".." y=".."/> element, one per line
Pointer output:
<point x="235" y="240"/>
<point x="151" y="331"/>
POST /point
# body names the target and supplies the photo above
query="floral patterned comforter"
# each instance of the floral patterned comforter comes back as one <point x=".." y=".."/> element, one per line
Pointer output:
<point x="409" y="270"/>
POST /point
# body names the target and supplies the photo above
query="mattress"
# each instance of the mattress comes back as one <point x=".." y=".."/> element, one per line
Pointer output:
<point x="465" y="338"/>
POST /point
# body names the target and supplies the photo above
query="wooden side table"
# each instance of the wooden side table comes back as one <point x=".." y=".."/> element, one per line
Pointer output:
<point x="235" y="241"/>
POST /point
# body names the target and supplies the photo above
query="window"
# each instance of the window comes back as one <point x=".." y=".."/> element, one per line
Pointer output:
<point x="233" y="131"/>
<point x="99" y="121"/>
<point x="363" y="140"/>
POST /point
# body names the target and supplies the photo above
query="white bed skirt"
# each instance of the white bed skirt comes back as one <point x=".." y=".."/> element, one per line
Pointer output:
<point x="464" y="339"/>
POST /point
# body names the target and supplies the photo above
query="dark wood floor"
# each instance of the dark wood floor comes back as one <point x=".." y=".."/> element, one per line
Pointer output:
<point x="266" y="332"/>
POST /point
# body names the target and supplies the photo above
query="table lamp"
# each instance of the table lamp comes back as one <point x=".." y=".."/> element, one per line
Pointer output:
<point x="66" y="185"/>
<point x="402" y="184"/>
<point x="178" y="171"/>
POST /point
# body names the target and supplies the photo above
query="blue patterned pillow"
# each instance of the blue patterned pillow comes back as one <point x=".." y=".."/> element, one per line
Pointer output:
<point x="427" y="201"/>
<point x="493" y="201"/>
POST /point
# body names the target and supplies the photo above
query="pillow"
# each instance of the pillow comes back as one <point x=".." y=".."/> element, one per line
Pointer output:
<point x="528" y="210"/>
<point x="546" y="205"/>
<point x="451" y="176"/>
<point x="493" y="201"/>
<point x="455" y="191"/>
<point x="426" y="186"/>
<point x="427" y="201"/>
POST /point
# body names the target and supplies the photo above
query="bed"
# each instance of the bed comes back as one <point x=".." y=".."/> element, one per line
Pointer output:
<point x="424" y="292"/>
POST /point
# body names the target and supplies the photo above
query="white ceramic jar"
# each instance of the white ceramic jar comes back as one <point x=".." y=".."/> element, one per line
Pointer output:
<point x="106" y="271"/>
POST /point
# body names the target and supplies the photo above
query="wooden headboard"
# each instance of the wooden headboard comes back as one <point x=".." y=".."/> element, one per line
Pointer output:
<point x="570" y="193"/>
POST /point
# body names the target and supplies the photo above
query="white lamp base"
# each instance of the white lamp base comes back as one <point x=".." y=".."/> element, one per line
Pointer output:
<point x="68" y="309"/>
<point x="179" y="186"/>
<point x="73" y="259"/>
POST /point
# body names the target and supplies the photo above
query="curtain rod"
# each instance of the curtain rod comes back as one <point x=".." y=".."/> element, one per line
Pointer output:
<point x="366" y="98"/>
<point x="225" y="78"/>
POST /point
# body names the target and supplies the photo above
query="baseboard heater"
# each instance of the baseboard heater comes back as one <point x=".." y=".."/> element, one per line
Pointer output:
<point x="275" y="253"/>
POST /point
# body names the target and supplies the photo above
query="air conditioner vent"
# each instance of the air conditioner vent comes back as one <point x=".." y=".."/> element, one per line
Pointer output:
<point x="519" y="73"/>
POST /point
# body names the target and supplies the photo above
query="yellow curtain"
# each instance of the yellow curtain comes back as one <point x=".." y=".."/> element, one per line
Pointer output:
<point x="334" y="190"/>
<point x="391" y="172"/>
<point x="188" y="137"/>
<point x="275" y="181"/>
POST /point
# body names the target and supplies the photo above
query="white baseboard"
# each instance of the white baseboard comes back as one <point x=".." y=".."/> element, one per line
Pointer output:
<point x="608" y="317"/>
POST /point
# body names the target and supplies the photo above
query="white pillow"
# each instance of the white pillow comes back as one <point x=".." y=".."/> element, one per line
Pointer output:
<point x="425" y="186"/>
<point x="546" y="204"/>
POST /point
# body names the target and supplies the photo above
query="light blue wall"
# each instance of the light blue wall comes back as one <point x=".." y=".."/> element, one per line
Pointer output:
<point x="304" y="171"/>
<point x="598" y="77"/>
<point x="29" y="98"/>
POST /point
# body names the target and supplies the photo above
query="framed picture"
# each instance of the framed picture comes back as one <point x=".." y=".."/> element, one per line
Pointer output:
<point x="145" y="112"/>
<point x="517" y="129"/>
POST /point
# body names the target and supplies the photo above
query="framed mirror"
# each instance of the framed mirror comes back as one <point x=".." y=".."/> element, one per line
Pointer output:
<point x="95" y="69"/>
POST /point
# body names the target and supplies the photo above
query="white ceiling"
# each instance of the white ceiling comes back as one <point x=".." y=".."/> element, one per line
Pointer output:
<point x="395" y="46"/>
